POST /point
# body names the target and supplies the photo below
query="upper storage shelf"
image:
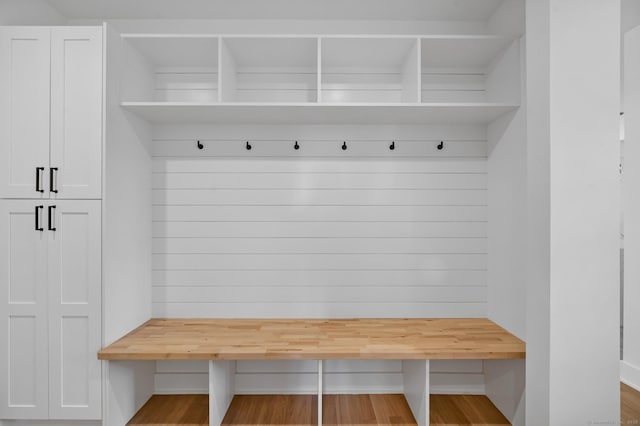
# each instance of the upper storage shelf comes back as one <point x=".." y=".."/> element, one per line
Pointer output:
<point x="320" y="79"/>
<point x="369" y="70"/>
<point x="470" y="69"/>
<point x="175" y="69"/>
<point x="269" y="69"/>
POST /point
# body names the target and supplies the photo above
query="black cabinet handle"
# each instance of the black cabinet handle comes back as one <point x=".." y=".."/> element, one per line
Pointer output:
<point x="51" y="216"/>
<point x="38" y="170"/>
<point x="52" y="187"/>
<point x="38" y="227"/>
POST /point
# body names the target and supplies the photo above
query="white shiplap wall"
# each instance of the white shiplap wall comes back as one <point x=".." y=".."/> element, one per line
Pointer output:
<point x="319" y="232"/>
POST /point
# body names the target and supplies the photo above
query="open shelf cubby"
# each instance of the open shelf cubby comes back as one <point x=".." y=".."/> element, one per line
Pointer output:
<point x="269" y="69"/>
<point x="171" y="69"/>
<point x="470" y="69"/>
<point x="369" y="70"/>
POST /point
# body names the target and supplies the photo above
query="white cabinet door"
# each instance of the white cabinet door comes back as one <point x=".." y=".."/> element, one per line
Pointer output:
<point x="24" y="111"/>
<point x="23" y="311"/>
<point x="76" y="113"/>
<point x="74" y="230"/>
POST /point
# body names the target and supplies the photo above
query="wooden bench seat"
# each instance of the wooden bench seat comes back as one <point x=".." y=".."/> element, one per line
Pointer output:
<point x="224" y="341"/>
<point x="239" y="339"/>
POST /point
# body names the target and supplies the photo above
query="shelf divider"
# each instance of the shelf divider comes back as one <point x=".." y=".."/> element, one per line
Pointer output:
<point x="221" y="389"/>
<point x="416" y="388"/>
<point x="320" y="390"/>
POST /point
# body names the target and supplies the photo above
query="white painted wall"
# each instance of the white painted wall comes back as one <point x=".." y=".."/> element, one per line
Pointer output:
<point x="507" y="203"/>
<point x="572" y="298"/>
<point x="630" y="366"/>
<point x="630" y="14"/>
<point x="32" y="12"/>
<point x="126" y="241"/>
<point x="538" y="226"/>
<point x="507" y="252"/>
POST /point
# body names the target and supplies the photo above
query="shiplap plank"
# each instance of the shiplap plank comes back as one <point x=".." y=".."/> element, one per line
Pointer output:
<point x="338" y="181"/>
<point x="336" y="229"/>
<point x="344" y="294"/>
<point x="354" y="382"/>
<point x="319" y="310"/>
<point x="310" y="262"/>
<point x="329" y="366"/>
<point x="212" y="165"/>
<point x="319" y="245"/>
<point x="328" y="278"/>
<point x="320" y="213"/>
<point x="302" y="197"/>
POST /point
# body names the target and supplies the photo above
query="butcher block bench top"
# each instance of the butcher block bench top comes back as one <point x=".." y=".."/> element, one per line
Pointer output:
<point x="238" y="339"/>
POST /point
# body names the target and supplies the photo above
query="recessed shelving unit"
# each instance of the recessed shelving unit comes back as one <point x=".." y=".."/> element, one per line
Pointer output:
<point x="289" y="79"/>
<point x="269" y="69"/>
<point x="369" y="70"/>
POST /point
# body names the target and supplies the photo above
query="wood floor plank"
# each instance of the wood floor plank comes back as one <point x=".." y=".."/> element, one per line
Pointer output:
<point x="237" y="339"/>
<point x="450" y="410"/>
<point x="173" y="410"/>
<point x="629" y="405"/>
<point x="392" y="409"/>
<point x="254" y="410"/>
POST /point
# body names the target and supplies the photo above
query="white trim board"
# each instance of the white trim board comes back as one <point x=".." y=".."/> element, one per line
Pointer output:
<point x="630" y="374"/>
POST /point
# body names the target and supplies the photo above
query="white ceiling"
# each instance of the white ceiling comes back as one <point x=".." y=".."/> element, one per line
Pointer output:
<point x="277" y="9"/>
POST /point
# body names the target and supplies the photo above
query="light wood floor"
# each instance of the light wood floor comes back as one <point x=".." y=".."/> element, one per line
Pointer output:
<point x="629" y="405"/>
<point x="174" y="410"/>
<point x="192" y="410"/>
<point x="448" y="410"/>
<point x="289" y="410"/>
<point x="385" y="410"/>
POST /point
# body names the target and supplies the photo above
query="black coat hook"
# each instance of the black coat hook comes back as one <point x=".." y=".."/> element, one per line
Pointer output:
<point x="344" y="145"/>
<point x="440" y="145"/>
<point x="392" y="146"/>
<point x="296" y="146"/>
<point x="200" y="146"/>
<point x="248" y="146"/>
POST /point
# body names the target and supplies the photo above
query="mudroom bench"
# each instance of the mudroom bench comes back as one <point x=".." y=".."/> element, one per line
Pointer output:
<point x="224" y="341"/>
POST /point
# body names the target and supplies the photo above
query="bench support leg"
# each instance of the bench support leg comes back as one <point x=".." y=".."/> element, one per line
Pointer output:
<point x="221" y="389"/>
<point x="416" y="388"/>
<point x="319" y="392"/>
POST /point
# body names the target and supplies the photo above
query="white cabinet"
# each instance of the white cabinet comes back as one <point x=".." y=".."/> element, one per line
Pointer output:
<point x="24" y="111"/>
<point x="50" y="305"/>
<point x="23" y="304"/>
<point x="51" y="118"/>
